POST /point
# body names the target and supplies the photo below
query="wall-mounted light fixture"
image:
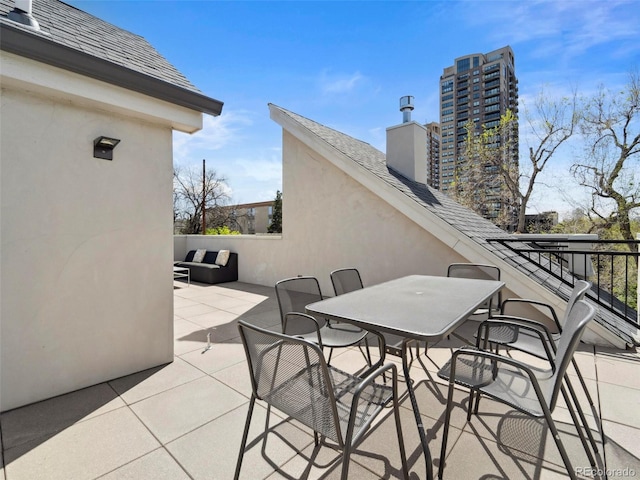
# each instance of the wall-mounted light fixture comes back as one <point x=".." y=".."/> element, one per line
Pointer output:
<point x="103" y="147"/>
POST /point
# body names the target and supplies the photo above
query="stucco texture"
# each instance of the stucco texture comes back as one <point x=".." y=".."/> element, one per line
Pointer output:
<point x="86" y="246"/>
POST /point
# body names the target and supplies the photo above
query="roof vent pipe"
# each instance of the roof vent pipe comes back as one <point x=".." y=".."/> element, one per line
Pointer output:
<point x="406" y="105"/>
<point x="22" y="14"/>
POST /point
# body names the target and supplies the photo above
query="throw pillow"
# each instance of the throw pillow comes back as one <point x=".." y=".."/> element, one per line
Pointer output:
<point x="199" y="255"/>
<point x="222" y="258"/>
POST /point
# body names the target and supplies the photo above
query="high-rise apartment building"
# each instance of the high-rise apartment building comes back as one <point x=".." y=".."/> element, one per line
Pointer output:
<point x="478" y="88"/>
<point x="433" y="154"/>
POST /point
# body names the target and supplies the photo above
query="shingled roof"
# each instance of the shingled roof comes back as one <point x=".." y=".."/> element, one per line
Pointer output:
<point x="77" y="41"/>
<point x="465" y="221"/>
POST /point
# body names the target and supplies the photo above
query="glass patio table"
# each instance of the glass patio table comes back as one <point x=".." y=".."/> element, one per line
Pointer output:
<point x="416" y="307"/>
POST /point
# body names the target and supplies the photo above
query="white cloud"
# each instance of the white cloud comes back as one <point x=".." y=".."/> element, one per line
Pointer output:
<point x="337" y="83"/>
<point x="217" y="133"/>
<point x="267" y="169"/>
<point x="564" y="29"/>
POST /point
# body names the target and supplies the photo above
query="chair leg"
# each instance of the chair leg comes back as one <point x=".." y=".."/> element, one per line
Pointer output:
<point x="559" y="444"/>
<point x="445" y="430"/>
<point x="367" y="356"/>
<point x="396" y="414"/>
<point x="245" y="434"/>
<point x="470" y="407"/>
<point x="330" y="353"/>
<point x="583" y="419"/>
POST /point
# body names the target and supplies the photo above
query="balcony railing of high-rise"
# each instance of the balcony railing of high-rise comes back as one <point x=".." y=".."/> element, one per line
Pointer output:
<point x="611" y="265"/>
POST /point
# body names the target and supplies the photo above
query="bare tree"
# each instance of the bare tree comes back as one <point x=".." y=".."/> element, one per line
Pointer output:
<point x="611" y="126"/>
<point x="551" y="123"/>
<point x="188" y="195"/>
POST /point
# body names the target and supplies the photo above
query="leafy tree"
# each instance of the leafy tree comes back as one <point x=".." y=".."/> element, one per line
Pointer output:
<point x="484" y="180"/>
<point x="619" y="277"/>
<point x="224" y="230"/>
<point x="276" y="216"/>
<point x="187" y="200"/>
<point x="550" y="123"/>
<point x="609" y="169"/>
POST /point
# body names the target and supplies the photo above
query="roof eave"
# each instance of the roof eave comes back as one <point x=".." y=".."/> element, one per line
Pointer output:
<point x="33" y="46"/>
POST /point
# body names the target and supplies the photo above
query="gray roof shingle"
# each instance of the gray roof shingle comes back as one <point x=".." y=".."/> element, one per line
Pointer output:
<point x="62" y="25"/>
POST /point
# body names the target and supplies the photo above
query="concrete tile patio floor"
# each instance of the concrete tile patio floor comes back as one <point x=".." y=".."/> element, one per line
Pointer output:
<point x="184" y="420"/>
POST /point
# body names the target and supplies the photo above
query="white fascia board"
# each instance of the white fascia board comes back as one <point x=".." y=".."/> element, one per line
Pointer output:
<point x="29" y="75"/>
<point x="517" y="282"/>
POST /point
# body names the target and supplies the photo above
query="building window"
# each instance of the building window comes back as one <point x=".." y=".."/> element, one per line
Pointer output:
<point x="489" y="68"/>
<point x="447" y="86"/>
<point x="476" y="61"/>
<point x="464" y="65"/>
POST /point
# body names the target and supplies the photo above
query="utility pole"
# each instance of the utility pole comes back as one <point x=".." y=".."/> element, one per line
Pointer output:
<point x="204" y="197"/>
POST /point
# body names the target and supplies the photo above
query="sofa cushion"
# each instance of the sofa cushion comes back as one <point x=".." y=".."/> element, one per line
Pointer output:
<point x="222" y="258"/>
<point x="198" y="265"/>
<point x="199" y="255"/>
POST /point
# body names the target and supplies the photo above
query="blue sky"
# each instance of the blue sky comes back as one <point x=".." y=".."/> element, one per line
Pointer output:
<point x="346" y="64"/>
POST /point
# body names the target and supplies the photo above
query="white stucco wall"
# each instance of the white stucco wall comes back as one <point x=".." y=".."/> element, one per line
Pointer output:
<point x="330" y="221"/>
<point x="86" y="244"/>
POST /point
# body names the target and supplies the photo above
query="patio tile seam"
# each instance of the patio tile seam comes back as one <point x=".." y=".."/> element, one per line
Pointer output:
<point x="603" y="381"/>
<point x="130" y="404"/>
<point x="211" y="374"/>
<point x="161" y="447"/>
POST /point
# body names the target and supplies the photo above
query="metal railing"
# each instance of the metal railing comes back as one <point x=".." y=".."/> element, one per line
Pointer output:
<point x="611" y="265"/>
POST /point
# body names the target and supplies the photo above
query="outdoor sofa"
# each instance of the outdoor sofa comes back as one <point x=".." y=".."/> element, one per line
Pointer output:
<point x="208" y="271"/>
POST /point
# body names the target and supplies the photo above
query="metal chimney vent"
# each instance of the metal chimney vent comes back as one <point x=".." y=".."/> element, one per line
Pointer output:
<point x="406" y="105"/>
<point x="22" y="14"/>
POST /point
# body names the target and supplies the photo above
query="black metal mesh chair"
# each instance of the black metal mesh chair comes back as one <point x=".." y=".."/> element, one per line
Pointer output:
<point x="294" y="294"/>
<point x="527" y="389"/>
<point x="347" y="280"/>
<point x="505" y="329"/>
<point x="291" y="375"/>
<point x="480" y="272"/>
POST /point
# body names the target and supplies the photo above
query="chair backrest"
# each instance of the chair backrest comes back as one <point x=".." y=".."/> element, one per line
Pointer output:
<point x="579" y="290"/>
<point x="478" y="271"/>
<point x="294" y="294"/>
<point x="291" y="375"/>
<point x="346" y="280"/>
<point x="579" y="317"/>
